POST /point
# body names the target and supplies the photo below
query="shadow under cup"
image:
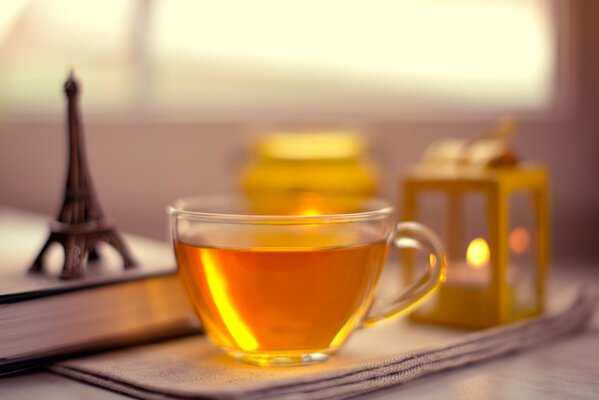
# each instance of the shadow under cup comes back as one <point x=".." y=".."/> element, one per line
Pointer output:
<point x="279" y="287"/>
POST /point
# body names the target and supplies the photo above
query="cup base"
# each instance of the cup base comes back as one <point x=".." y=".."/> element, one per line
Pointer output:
<point x="278" y="360"/>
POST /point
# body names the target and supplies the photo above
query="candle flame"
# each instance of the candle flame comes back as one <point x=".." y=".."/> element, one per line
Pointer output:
<point x="310" y="204"/>
<point x="309" y="211"/>
<point x="478" y="254"/>
<point x="519" y="240"/>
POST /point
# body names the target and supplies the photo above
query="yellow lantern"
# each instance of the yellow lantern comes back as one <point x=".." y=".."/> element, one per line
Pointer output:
<point x="493" y="218"/>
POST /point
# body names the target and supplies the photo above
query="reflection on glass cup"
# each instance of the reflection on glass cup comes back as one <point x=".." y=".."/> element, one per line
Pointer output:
<point x="288" y="287"/>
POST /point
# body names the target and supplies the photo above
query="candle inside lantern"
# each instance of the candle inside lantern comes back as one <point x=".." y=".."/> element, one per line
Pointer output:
<point x="475" y="271"/>
<point x="309" y="204"/>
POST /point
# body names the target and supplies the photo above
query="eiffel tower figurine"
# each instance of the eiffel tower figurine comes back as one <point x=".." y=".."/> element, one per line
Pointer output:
<point x="81" y="224"/>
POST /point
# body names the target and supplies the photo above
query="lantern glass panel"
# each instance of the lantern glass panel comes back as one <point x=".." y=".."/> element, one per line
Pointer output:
<point x="522" y="251"/>
<point x="474" y="250"/>
<point x="432" y="211"/>
<point x="467" y="290"/>
<point x="461" y="219"/>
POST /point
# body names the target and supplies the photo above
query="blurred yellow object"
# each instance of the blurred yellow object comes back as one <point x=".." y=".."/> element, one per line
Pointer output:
<point x="309" y="165"/>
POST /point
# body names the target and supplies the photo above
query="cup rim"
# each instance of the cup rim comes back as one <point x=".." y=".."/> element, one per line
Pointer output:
<point x="177" y="209"/>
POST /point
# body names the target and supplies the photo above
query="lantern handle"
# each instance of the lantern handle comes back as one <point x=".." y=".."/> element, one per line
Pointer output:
<point x="412" y="235"/>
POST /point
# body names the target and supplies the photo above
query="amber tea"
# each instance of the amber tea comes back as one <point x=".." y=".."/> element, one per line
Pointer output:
<point x="280" y="300"/>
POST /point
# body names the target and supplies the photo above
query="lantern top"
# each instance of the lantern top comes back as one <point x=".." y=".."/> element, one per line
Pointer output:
<point x="491" y="148"/>
<point x="521" y="176"/>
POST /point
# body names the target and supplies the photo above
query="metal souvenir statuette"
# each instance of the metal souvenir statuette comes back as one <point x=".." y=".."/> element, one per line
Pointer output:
<point x="80" y="224"/>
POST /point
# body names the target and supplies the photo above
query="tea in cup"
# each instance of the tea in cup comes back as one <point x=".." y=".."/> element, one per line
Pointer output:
<point x="283" y="288"/>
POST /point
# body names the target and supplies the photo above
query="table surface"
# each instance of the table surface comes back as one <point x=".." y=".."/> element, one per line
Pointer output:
<point x="565" y="368"/>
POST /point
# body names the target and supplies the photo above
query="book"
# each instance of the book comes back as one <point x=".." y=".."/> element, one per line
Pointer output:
<point x="43" y="318"/>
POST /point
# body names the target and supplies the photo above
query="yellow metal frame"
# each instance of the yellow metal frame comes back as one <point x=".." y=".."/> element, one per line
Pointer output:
<point x="492" y="305"/>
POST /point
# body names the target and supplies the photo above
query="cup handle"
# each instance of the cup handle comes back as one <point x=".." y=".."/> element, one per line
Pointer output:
<point x="412" y="235"/>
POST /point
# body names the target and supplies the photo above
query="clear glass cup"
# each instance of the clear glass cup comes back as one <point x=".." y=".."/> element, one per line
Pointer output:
<point x="287" y="282"/>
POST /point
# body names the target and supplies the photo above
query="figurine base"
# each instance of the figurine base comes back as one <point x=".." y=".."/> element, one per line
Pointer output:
<point x="79" y="244"/>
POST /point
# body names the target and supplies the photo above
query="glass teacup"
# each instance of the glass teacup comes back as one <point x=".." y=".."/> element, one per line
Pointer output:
<point x="278" y="284"/>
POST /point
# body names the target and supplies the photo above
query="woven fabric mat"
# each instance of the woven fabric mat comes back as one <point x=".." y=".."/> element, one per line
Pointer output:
<point x="373" y="359"/>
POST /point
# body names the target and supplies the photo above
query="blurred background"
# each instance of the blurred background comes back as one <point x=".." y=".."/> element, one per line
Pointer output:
<point x="174" y="93"/>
